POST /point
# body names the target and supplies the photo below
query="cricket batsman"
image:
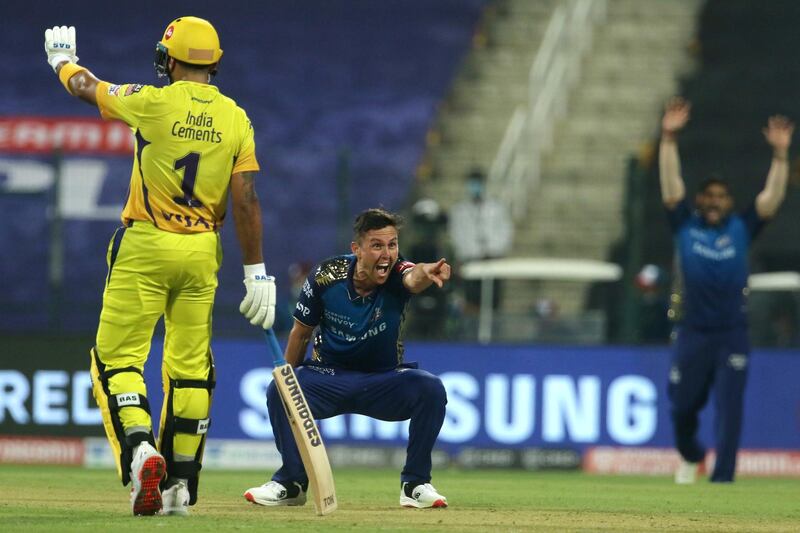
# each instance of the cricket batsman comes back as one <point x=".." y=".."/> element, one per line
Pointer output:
<point x="193" y="147"/>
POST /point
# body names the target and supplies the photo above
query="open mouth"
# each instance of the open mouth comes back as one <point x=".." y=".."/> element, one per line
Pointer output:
<point x="382" y="268"/>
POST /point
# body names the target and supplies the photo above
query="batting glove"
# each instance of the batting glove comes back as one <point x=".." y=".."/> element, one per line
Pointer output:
<point x="59" y="43"/>
<point x="258" y="305"/>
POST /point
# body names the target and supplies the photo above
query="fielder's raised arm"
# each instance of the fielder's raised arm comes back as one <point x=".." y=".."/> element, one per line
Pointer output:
<point x="676" y="115"/>
<point x="778" y="134"/>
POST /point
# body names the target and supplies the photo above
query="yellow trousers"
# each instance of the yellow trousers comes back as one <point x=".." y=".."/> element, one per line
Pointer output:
<point x="154" y="273"/>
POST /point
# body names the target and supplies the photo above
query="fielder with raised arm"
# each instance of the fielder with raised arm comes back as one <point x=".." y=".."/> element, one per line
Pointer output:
<point x="711" y="345"/>
<point x="193" y="146"/>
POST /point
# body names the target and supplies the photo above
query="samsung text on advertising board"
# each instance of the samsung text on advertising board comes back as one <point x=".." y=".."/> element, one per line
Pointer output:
<point x="508" y="409"/>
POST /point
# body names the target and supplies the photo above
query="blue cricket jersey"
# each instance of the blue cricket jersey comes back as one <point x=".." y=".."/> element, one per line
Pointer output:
<point x="355" y="332"/>
<point x="713" y="266"/>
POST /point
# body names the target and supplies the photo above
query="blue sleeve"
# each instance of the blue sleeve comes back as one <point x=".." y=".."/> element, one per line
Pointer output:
<point x="309" y="306"/>
<point x="752" y="221"/>
<point x="678" y="215"/>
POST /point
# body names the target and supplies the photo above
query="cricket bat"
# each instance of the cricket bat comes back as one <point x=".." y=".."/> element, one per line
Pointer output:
<point x="305" y="431"/>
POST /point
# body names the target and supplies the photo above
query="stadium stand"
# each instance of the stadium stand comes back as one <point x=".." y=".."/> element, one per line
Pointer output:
<point x="632" y="57"/>
<point x="328" y="85"/>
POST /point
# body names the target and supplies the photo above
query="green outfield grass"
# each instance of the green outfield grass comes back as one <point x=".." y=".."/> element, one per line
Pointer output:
<point x="36" y="498"/>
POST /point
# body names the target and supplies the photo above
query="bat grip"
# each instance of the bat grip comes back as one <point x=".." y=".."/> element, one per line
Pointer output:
<point x="277" y="353"/>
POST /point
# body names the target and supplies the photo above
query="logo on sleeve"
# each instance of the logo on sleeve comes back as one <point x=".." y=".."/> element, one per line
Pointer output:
<point x="113" y="90"/>
<point x="305" y="311"/>
<point x="307" y="290"/>
<point x="133" y="88"/>
<point x="402" y="266"/>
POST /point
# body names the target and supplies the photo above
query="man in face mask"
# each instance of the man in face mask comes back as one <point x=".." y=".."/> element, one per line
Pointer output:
<point x="480" y="228"/>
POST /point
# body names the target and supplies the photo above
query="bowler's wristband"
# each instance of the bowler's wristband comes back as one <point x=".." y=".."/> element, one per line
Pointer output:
<point x="67" y="71"/>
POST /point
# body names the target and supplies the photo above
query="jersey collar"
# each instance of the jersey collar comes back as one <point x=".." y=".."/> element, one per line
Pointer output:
<point x="206" y="86"/>
<point x="352" y="293"/>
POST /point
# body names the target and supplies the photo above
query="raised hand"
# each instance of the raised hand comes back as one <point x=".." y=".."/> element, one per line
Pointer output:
<point x="676" y="115"/>
<point x="778" y="133"/>
<point x="60" y="46"/>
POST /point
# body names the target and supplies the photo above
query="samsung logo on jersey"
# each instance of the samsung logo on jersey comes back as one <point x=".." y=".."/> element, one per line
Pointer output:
<point x="348" y="337"/>
<point x="710" y="253"/>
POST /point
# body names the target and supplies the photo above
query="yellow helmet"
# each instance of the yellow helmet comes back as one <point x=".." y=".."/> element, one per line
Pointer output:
<point x="190" y="40"/>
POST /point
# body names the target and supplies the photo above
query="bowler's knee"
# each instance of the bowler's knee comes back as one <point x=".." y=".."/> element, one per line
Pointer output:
<point x="430" y="389"/>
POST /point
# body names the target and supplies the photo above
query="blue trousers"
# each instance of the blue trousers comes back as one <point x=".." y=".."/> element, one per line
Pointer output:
<point x="398" y="394"/>
<point x="704" y="360"/>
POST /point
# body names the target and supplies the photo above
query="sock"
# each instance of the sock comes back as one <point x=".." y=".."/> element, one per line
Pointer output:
<point x="293" y="488"/>
<point x="409" y="486"/>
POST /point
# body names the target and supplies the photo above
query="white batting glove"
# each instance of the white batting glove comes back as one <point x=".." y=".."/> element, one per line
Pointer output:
<point x="258" y="305"/>
<point x="59" y="43"/>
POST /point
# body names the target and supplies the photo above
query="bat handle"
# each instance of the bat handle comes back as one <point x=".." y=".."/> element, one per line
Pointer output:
<point x="277" y="353"/>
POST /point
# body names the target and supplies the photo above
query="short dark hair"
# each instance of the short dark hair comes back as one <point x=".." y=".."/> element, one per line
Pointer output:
<point x="199" y="68"/>
<point x="374" y="218"/>
<point x="711" y="181"/>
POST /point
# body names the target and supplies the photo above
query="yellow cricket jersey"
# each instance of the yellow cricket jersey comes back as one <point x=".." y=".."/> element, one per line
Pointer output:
<point x="190" y="138"/>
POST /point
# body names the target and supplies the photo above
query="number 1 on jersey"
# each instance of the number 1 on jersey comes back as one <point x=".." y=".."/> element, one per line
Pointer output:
<point x="189" y="164"/>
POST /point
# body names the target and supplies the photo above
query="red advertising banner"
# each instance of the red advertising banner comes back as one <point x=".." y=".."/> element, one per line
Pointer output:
<point x="664" y="461"/>
<point x="41" y="450"/>
<point x="82" y="135"/>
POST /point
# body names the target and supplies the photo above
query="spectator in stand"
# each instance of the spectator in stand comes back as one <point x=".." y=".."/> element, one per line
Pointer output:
<point x="480" y="228"/>
<point x="711" y="344"/>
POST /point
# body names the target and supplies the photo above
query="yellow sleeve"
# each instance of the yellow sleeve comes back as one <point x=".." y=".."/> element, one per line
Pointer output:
<point x="246" y="158"/>
<point x="124" y="102"/>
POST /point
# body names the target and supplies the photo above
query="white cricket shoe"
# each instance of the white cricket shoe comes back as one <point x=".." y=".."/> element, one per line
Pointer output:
<point x="422" y="496"/>
<point x="147" y="471"/>
<point x="686" y="473"/>
<point x="176" y="499"/>
<point x="275" y="494"/>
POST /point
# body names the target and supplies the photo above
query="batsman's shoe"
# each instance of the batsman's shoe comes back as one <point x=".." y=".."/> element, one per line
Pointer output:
<point x="686" y="473"/>
<point x="423" y="496"/>
<point x="274" y="494"/>
<point x="147" y="471"/>
<point x="176" y="499"/>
